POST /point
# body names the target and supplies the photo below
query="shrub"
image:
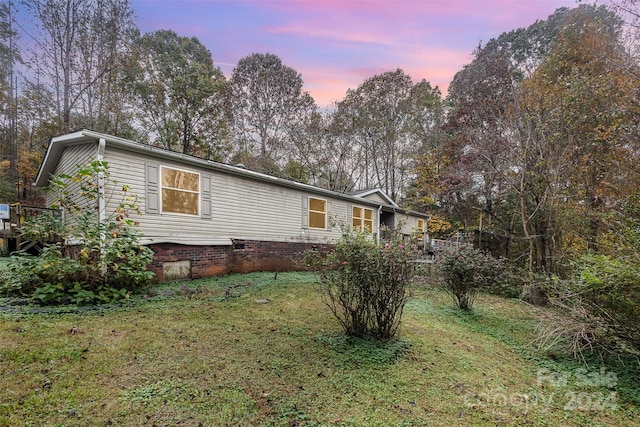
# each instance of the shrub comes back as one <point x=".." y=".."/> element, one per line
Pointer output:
<point x="510" y="284"/>
<point x="597" y="311"/>
<point x="516" y="282"/>
<point x="464" y="271"/>
<point x="612" y="289"/>
<point x="93" y="260"/>
<point x="365" y="284"/>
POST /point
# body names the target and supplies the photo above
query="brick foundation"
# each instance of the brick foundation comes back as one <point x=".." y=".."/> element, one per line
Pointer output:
<point x="244" y="256"/>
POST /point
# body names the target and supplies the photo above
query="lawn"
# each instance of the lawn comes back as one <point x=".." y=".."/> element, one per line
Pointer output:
<point x="263" y="350"/>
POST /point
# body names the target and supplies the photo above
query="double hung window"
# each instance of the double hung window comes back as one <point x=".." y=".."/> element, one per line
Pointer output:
<point x="362" y="219"/>
<point x="420" y="229"/>
<point x="317" y="213"/>
<point x="180" y="191"/>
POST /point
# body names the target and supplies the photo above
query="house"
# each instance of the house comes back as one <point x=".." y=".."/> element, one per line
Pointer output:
<point x="204" y="218"/>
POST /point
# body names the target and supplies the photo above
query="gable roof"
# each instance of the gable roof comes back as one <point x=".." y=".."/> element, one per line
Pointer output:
<point x="57" y="145"/>
<point x="373" y="192"/>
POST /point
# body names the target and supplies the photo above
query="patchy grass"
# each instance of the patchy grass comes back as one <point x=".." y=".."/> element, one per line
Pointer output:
<point x="255" y="350"/>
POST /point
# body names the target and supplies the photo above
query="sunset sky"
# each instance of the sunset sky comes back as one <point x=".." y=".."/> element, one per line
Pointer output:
<point x="336" y="45"/>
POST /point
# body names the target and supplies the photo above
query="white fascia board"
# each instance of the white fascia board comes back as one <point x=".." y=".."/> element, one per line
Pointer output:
<point x="53" y="153"/>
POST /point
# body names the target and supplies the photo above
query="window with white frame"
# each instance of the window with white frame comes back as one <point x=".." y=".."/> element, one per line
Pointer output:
<point x="420" y="229"/>
<point x="317" y="213"/>
<point x="180" y="191"/>
<point x="362" y="218"/>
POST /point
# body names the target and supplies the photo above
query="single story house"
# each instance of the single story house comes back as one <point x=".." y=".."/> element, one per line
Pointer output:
<point x="204" y="218"/>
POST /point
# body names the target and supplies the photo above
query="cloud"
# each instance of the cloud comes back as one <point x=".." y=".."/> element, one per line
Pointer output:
<point x="331" y="35"/>
<point x="337" y="44"/>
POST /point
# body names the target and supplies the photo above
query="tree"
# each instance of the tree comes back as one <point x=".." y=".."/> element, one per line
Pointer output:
<point x="629" y="11"/>
<point x="480" y="96"/>
<point x="377" y="117"/>
<point x="78" y="46"/>
<point x="427" y="128"/>
<point x="36" y="118"/>
<point x="268" y="109"/>
<point x="322" y="155"/>
<point x="474" y="177"/>
<point x="327" y="153"/>
<point x="9" y="57"/>
<point x="176" y="88"/>
<point x="540" y="149"/>
<point x="527" y="47"/>
<point x="583" y="101"/>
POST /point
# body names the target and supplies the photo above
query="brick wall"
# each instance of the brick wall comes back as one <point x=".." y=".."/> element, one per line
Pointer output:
<point x="243" y="256"/>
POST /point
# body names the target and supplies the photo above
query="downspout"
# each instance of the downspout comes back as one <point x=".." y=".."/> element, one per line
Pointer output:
<point x="379" y="222"/>
<point x="102" y="213"/>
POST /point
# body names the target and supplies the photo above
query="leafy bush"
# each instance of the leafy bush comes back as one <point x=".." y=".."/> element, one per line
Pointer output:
<point x="464" y="271"/>
<point x="597" y="311"/>
<point x="93" y="260"/>
<point x="516" y="282"/>
<point x="365" y="284"/>
<point x="510" y="284"/>
<point x="612" y="286"/>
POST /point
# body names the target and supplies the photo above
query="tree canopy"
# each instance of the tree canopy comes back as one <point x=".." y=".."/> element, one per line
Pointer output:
<point x="268" y="108"/>
<point x="177" y="91"/>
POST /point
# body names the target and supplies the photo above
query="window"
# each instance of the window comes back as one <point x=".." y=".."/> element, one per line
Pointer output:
<point x="362" y="219"/>
<point x="317" y="213"/>
<point x="180" y="191"/>
<point x="420" y="229"/>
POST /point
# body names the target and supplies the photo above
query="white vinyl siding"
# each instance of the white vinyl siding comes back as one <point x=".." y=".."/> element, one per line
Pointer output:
<point x="409" y="223"/>
<point x="240" y="207"/>
<point x="135" y="169"/>
<point x="375" y="197"/>
<point x="72" y="157"/>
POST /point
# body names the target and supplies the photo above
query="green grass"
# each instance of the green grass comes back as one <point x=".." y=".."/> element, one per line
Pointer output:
<point x="213" y="352"/>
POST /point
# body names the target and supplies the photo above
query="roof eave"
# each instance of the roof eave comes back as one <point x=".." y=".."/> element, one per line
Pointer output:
<point x="52" y="155"/>
<point x="58" y="143"/>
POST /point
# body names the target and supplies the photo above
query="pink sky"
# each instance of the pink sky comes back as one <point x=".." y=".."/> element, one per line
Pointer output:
<point x="336" y="45"/>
